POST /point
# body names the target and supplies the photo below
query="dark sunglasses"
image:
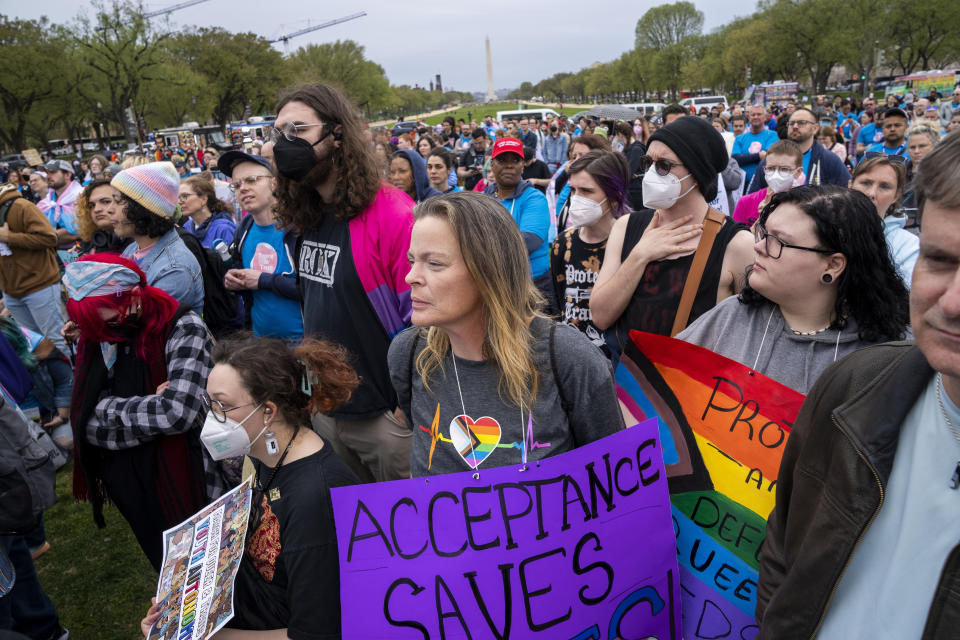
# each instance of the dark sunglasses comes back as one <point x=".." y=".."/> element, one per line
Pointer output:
<point x="880" y="154"/>
<point x="661" y="165"/>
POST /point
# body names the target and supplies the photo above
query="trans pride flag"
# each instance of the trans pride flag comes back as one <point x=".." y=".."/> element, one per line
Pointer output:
<point x="723" y="428"/>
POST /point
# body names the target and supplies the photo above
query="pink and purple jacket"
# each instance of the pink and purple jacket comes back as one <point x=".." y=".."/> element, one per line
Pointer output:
<point x="380" y="240"/>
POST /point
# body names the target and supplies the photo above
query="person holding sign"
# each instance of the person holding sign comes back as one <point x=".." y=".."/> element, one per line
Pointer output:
<point x="485" y="379"/>
<point x="862" y="542"/>
<point x="260" y="396"/>
<point x="821" y="286"/>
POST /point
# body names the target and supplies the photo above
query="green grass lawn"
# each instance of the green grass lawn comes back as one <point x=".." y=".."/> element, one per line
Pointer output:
<point x="479" y="110"/>
<point x="99" y="579"/>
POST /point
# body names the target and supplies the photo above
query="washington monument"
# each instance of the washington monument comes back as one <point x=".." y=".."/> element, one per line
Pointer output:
<point x="491" y="95"/>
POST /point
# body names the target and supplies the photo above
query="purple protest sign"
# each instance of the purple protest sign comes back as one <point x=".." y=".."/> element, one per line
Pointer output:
<point x="578" y="546"/>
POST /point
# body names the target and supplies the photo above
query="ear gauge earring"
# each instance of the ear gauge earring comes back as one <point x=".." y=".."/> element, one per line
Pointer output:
<point x="827" y="278"/>
<point x="270" y="441"/>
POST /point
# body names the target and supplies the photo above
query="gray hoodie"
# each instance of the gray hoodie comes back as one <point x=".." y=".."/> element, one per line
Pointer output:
<point x="758" y="337"/>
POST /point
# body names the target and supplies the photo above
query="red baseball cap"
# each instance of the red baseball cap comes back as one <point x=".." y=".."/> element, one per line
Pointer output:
<point x="507" y="145"/>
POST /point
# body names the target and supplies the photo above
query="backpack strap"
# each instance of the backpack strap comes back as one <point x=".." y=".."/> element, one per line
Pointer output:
<point x="711" y="226"/>
<point x="564" y="402"/>
<point x="5" y="208"/>
<point x="406" y="399"/>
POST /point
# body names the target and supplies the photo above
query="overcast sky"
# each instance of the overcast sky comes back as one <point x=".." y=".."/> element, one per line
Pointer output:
<point x="413" y="41"/>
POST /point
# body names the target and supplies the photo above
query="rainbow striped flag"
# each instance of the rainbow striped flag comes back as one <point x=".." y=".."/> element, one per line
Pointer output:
<point x="723" y="428"/>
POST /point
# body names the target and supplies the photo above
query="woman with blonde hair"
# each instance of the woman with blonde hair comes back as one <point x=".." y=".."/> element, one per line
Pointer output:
<point x="96" y="208"/>
<point x="483" y="377"/>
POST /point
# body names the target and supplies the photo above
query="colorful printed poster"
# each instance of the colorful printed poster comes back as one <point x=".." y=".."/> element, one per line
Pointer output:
<point x="723" y="429"/>
<point x="200" y="560"/>
<point x="577" y="546"/>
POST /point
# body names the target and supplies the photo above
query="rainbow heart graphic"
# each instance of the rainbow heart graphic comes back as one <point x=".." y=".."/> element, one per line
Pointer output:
<point x="474" y="439"/>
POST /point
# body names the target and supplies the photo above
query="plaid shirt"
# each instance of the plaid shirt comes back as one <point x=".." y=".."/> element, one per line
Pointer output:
<point x="123" y="423"/>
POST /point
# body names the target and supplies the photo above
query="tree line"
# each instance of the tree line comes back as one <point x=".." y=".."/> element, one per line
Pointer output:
<point x="82" y="78"/>
<point x="791" y="40"/>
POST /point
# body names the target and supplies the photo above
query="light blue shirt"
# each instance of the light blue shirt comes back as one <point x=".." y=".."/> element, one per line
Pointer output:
<point x="889" y="584"/>
<point x="169" y="265"/>
<point x="271" y="315"/>
<point x="752" y="143"/>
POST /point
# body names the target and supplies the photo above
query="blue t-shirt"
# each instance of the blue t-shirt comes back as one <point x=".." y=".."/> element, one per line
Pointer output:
<point x="532" y="215"/>
<point x="750" y="143"/>
<point x="869" y="134"/>
<point x="806" y="162"/>
<point x="272" y="315"/>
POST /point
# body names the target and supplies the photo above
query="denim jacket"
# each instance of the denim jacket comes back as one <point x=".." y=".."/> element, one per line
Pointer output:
<point x="170" y="266"/>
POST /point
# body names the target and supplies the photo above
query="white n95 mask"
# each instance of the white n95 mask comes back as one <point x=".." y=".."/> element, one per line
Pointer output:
<point x="662" y="192"/>
<point x="583" y="211"/>
<point x="227" y="439"/>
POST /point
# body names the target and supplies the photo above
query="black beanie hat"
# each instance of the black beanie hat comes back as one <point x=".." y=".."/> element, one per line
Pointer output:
<point x="699" y="147"/>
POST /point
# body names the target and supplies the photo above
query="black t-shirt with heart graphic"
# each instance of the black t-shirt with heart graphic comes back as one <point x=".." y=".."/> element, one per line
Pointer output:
<point x="484" y="431"/>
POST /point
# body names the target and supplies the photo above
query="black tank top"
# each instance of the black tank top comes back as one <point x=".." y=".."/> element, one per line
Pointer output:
<point x="653" y="306"/>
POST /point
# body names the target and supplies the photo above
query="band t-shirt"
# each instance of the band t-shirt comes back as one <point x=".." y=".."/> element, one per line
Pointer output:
<point x="336" y="308"/>
<point x="575" y="265"/>
<point x="272" y="315"/>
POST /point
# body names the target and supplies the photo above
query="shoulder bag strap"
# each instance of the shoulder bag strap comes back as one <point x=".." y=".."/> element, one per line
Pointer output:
<point x="711" y="225"/>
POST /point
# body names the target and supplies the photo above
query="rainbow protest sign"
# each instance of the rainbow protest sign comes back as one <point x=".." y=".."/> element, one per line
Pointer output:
<point x="723" y="428"/>
<point x="577" y="546"/>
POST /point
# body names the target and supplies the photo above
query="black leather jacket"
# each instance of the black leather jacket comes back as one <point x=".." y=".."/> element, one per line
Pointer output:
<point x="831" y="487"/>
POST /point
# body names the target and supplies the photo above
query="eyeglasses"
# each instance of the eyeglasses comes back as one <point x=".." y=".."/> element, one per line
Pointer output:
<point x="661" y="165"/>
<point x="290" y="131"/>
<point x="891" y="157"/>
<point x="216" y="408"/>
<point x="800" y="123"/>
<point x="774" y="245"/>
<point x="249" y="181"/>
<point x="183" y="197"/>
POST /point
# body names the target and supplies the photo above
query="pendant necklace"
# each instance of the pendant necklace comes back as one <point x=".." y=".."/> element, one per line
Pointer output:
<point x="524" y="431"/>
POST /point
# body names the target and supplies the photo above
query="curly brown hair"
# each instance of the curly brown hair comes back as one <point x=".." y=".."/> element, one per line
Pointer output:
<point x="353" y="162"/>
<point x="273" y="371"/>
<point x="203" y="186"/>
<point x="85" y="224"/>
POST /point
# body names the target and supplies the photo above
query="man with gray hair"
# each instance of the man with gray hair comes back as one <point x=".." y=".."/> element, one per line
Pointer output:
<point x="868" y="494"/>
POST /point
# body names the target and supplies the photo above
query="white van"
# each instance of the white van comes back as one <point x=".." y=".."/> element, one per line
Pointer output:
<point x="519" y="114"/>
<point x="695" y="104"/>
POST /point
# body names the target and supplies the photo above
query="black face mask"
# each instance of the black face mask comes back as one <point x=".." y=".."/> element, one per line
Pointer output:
<point x="295" y="158"/>
<point x="122" y="330"/>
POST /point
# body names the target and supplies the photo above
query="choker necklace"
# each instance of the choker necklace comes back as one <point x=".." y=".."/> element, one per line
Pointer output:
<point x="807" y="333"/>
<point x="955" y="480"/>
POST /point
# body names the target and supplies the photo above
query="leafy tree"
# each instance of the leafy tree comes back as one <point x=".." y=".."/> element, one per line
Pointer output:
<point x="238" y="69"/>
<point x="809" y="27"/>
<point x="925" y="33"/>
<point x="123" y="52"/>
<point x="343" y="64"/>
<point x="30" y="58"/>
<point x="668" y="24"/>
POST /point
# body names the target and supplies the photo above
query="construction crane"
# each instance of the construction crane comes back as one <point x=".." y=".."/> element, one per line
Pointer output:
<point x="176" y="7"/>
<point x="285" y="39"/>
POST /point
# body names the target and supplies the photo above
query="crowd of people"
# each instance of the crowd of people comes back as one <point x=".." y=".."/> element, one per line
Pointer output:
<point x="310" y="302"/>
